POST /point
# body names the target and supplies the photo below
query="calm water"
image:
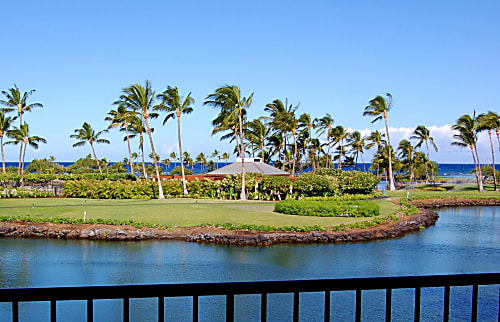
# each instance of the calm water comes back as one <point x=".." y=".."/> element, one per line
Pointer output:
<point x="463" y="241"/>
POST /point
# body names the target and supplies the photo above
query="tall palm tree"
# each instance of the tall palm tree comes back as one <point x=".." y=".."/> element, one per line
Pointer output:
<point x="339" y="134"/>
<point x="323" y="125"/>
<point x="5" y="123"/>
<point x="225" y="156"/>
<point x="121" y="118"/>
<point x="376" y="138"/>
<point x="489" y="122"/>
<point x="21" y="134"/>
<point x="15" y="101"/>
<point x="379" y="106"/>
<point x="229" y="99"/>
<point x="357" y="144"/>
<point x="407" y="151"/>
<point x="422" y="134"/>
<point x="202" y="160"/>
<point x="141" y="100"/>
<point x="216" y="155"/>
<point x="174" y="105"/>
<point x="306" y="125"/>
<point x="137" y="128"/>
<point x="258" y="133"/>
<point x="466" y="136"/>
<point x="87" y="134"/>
<point x="188" y="160"/>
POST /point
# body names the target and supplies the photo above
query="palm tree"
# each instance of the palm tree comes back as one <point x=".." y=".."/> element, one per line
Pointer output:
<point x="5" y="123"/>
<point x="258" y="132"/>
<point x="422" y="134"/>
<point x="339" y="134"/>
<point x="229" y="99"/>
<point x="323" y="125"/>
<point x="87" y="134"/>
<point x="375" y="138"/>
<point x="490" y="121"/>
<point x="407" y="151"/>
<point x="202" y="160"/>
<point x="357" y="144"/>
<point x="141" y="100"/>
<point x="175" y="106"/>
<point x="466" y="136"/>
<point x="379" y="106"/>
<point x="225" y="156"/>
<point x="186" y="157"/>
<point x="216" y="155"/>
<point x="14" y="100"/>
<point x="21" y="134"/>
<point x="121" y="117"/>
<point x="305" y="124"/>
<point x="137" y="128"/>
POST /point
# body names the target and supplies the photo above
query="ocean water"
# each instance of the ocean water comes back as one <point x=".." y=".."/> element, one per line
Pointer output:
<point x="445" y="169"/>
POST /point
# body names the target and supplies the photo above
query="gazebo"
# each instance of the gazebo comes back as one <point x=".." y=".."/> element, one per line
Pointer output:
<point x="254" y="165"/>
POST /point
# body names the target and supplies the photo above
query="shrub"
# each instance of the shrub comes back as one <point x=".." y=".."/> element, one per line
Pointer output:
<point x="351" y="182"/>
<point x="311" y="184"/>
<point x="178" y="170"/>
<point x="328" y="208"/>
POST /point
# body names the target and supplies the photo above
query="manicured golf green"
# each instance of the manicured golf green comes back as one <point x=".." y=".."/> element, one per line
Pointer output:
<point x="174" y="212"/>
<point x="460" y="191"/>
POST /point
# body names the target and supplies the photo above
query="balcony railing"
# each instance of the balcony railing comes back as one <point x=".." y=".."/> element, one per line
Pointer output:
<point x="229" y="290"/>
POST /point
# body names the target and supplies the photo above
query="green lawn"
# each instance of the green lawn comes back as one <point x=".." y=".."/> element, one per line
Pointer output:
<point x="464" y="190"/>
<point x="173" y="212"/>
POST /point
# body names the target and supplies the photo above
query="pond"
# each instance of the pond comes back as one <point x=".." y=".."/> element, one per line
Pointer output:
<point x="464" y="240"/>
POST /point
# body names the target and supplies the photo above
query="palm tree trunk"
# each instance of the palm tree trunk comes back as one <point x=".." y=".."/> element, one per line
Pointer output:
<point x="431" y="177"/>
<point x="129" y="151"/>
<point x="284" y="151"/>
<point x="340" y="153"/>
<point x="160" y="189"/>
<point x="22" y="168"/>
<point x="493" y="156"/>
<point x="95" y="157"/>
<point x="184" y="189"/>
<point x="3" y="155"/>
<point x="20" y="156"/>
<point x="294" y="152"/>
<point x="243" y="192"/>
<point x="475" y="165"/>
<point x="481" y="188"/>
<point x="262" y="147"/>
<point x="391" y="178"/>
<point x="143" y="163"/>
<point x="378" y="164"/>
<point x="363" y="161"/>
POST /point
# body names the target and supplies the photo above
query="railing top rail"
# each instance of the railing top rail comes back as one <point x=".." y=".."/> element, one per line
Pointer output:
<point x="207" y="289"/>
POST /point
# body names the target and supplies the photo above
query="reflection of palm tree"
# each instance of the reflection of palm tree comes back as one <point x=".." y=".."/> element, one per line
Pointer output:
<point x="141" y="99"/>
<point x="422" y="134"/>
<point x="379" y="106"/>
<point x="489" y="122"/>
<point x="175" y="106"/>
<point x="5" y="123"/>
<point x="87" y="135"/>
<point x="466" y="136"/>
<point x="230" y="101"/>
<point x="21" y="135"/>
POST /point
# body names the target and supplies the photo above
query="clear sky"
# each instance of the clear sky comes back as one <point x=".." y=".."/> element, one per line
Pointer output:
<point x="439" y="60"/>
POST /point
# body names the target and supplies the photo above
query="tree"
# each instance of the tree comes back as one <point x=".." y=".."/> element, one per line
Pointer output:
<point x="141" y="100"/>
<point x="375" y="138"/>
<point x="87" y="134"/>
<point x="489" y="122"/>
<point x="121" y="118"/>
<point x="407" y="151"/>
<point x="323" y="125"/>
<point x="305" y="125"/>
<point x="5" y="123"/>
<point x="137" y="128"/>
<point x="216" y="155"/>
<point x="174" y="105"/>
<point x="258" y="132"/>
<point x="202" y="160"/>
<point x="225" y="156"/>
<point x="14" y="100"/>
<point x="378" y="107"/>
<point x="466" y="136"/>
<point x="422" y="134"/>
<point x="21" y="134"/>
<point x="339" y="134"/>
<point x="230" y="101"/>
<point x="357" y="144"/>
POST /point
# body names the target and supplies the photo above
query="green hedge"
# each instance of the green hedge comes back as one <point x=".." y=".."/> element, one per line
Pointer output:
<point x="351" y="182"/>
<point x="328" y="208"/>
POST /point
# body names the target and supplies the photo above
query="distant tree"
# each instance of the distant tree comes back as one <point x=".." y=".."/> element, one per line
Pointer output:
<point x="488" y="122"/>
<point x="44" y="166"/>
<point x="216" y="155"/>
<point x="5" y="123"/>
<point x="87" y="135"/>
<point x="422" y="134"/>
<point x="407" y="152"/>
<point x="202" y="160"/>
<point x="121" y="118"/>
<point x="324" y="125"/>
<point x="376" y="138"/>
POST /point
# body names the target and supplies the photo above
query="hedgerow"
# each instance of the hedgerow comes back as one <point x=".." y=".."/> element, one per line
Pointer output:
<point x="328" y="208"/>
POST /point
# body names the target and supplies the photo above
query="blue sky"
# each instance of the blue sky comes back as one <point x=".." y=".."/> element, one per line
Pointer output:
<point x="439" y="59"/>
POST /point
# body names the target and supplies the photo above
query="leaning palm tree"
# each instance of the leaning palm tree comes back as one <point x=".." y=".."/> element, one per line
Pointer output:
<point x="407" y="152"/>
<point x="174" y="105"/>
<point x="375" y="138"/>
<point x="466" y="136"/>
<point x="422" y="134"/>
<point x="21" y="134"/>
<point x="5" y="123"/>
<point x="379" y="106"/>
<point x="141" y="100"/>
<point x="121" y="118"/>
<point x="87" y="134"/>
<point x="323" y="125"/>
<point x="229" y="99"/>
<point x="15" y="101"/>
<point x="489" y="122"/>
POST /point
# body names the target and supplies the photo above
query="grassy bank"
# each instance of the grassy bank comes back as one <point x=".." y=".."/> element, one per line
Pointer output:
<point x="175" y="212"/>
<point x="460" y="191"/>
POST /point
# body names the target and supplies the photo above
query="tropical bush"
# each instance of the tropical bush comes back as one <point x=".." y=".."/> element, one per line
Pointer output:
<point x="351" y="182"/>
<point x="10" y="192"/>
<point x="312" y="184"/>
<point x="328" y="208"/>
<point x="178" y="170"/>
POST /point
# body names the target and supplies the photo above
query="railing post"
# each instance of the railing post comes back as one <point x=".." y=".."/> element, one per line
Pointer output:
<point x="195" y="308"/>
<point x="475" y="291"/>
<point x="388" y="304"/>
<point x="418" y="292"/>
<point x="263" y="307"/>
<point x="327" y="306"/>
<point x="53" y="311"/>
<point x="296" y="303"/>
<point x="358" y="305"/>
<point x="230" y="307"/>
<point x="446" y="309"/>
<point x="161" y="308"/>
<point x="126" y="310"/>
<point x="15" y="311"/>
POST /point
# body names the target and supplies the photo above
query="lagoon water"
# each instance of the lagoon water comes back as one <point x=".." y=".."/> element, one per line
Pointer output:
<point x="465" y="240"/>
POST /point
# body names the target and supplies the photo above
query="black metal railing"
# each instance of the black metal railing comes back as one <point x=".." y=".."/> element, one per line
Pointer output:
<point x="229" y="290"/>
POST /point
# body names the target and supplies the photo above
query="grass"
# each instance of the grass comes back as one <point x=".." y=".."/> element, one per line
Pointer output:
<point x="175" y="212"/>
<point x="460" y="191"/>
